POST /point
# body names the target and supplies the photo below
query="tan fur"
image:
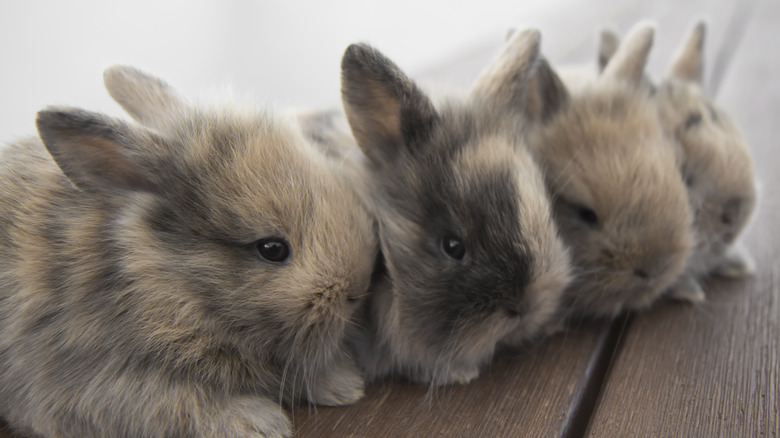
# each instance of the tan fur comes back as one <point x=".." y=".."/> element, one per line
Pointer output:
<point x="503" y="79"/>
<point x="604" y="153"/>
<point x="145" y="312"/>
<point x="715" y="162"/>
<point x="607" y="152"/>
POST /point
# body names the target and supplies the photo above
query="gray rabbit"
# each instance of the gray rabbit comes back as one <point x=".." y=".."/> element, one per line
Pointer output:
<point x="471" y="252"/>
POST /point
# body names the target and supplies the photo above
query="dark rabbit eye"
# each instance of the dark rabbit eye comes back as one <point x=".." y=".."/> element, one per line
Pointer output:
<point x="273" y="249"/>
<point x="688" y="178"/>
<point x="587" y="215"/>
<point x="453" y="247"/>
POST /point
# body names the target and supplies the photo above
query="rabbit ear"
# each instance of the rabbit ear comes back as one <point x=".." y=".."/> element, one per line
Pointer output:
<point x="608" y="45"/>
<point x="148" y="100"/>
<point x="688" y="62"/>
<point x="505" y="80"/>
<point x="628" y="62"/>
<point x="95" y="152"/>
<point x="386" y="111"/>
<point x="547" y="94"/>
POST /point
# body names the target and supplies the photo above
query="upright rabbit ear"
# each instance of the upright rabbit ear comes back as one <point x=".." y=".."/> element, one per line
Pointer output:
<point x="688" y="62"/>
<point x="148" y="100"/>
<point x="95" y="152"/>
<point x="505" y="80"/>
<point x="547" y="94"/>
<point x="608" y="45"/>
<point x="628" y="62"/>
<point x="387" y="112"/>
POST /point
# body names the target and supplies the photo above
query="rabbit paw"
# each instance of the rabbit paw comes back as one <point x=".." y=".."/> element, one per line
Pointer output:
<point x="339" y="385"/>
<point x="736" y="263"/>
<point x="686" y="288"/>
<point x="463" y="376"/>
<point x="254" y="417"/>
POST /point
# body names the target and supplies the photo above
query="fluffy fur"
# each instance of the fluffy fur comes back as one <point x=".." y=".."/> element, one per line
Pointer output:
<point x="134" y="300"/>
<point x="619" y="200"/>
<point x="455" y="172"/>
<point x="716" y="165"/>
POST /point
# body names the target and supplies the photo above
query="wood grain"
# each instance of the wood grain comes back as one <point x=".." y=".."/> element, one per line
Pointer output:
<point x="714" y="369"/>
<point x="521" y="394"/>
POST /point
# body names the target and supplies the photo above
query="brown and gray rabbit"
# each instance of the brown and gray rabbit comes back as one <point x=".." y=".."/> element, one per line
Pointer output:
<point x="717" y="165"/>
<point x="471" y="251"/>
<point x="183" y="278"/>
<point x="618" y="197"/>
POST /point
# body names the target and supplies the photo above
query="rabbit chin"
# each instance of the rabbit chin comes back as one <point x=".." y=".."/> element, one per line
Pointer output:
<point x="592" y="298"/>
<point x="412" y="348"/>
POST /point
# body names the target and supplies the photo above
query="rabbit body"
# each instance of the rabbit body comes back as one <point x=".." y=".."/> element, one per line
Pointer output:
<point x="471" y="254"/>
<point x="718" y="170"/>
<point x="618" y="198"/>
<point x="716" y="164"/>
<point x="136" y="293"/>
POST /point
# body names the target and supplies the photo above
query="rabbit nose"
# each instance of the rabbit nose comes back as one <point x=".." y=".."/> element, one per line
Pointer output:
<point x="650" y="269"/>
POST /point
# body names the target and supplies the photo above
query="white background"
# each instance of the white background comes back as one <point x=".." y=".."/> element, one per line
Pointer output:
<point x="284" y="53"/>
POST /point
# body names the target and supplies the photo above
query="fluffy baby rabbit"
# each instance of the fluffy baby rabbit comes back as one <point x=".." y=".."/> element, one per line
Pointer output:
<point x="717" y="166"/>
<point x="471" y="251"/>
<point x="619" y="200"/>
<point x="179" y="280"/>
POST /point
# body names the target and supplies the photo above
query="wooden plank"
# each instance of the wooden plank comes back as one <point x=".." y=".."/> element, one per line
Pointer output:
<point x="714" y="369"/>
<point x="521" y="394"/>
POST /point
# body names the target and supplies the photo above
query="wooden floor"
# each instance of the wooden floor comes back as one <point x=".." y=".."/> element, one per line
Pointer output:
<point x="678" y="370"/>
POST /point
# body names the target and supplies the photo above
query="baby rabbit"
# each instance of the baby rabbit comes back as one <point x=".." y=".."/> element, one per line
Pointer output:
<point x="618" y="198"/>
<point x="471" y="252"/>
<point x="717" y="166"/>
<point x="179" y="279"/>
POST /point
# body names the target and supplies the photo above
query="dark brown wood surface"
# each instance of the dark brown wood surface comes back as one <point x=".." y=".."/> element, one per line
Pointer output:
<point x="512" y="397"/>
<point x="678" y="370"/>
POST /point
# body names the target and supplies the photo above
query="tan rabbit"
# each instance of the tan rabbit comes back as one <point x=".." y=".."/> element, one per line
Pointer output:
<point x="618" y="198"/>
<point x="717" y="166"/>
<point x="180" y="279"/>
<point x="472" y="255"/>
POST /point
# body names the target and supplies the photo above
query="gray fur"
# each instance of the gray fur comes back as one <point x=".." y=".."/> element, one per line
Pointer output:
<point x="133" y="301"/>
<point x="457" y="167"/>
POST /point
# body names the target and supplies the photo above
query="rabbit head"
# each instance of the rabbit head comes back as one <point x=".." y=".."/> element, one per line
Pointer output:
<point x="470" y="247"/>
<point x="231" y="209"/>
<point x="618" y="198"/>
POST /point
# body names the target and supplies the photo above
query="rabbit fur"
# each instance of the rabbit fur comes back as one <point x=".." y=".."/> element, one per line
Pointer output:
<point x="471" y="252"/>
<point x="618" y="198"/>
<point x="717" y="166"/>
<point x="135" y="299"/>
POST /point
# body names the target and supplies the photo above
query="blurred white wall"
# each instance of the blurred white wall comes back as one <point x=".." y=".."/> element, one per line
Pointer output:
<point x="287" y="53"/>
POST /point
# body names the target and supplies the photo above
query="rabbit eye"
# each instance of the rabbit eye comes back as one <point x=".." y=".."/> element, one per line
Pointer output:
<point x="273" y="249"/>
<point x="587" y="215"/>
<point x="453" y="247"/>
<point x="694" y="119"/>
